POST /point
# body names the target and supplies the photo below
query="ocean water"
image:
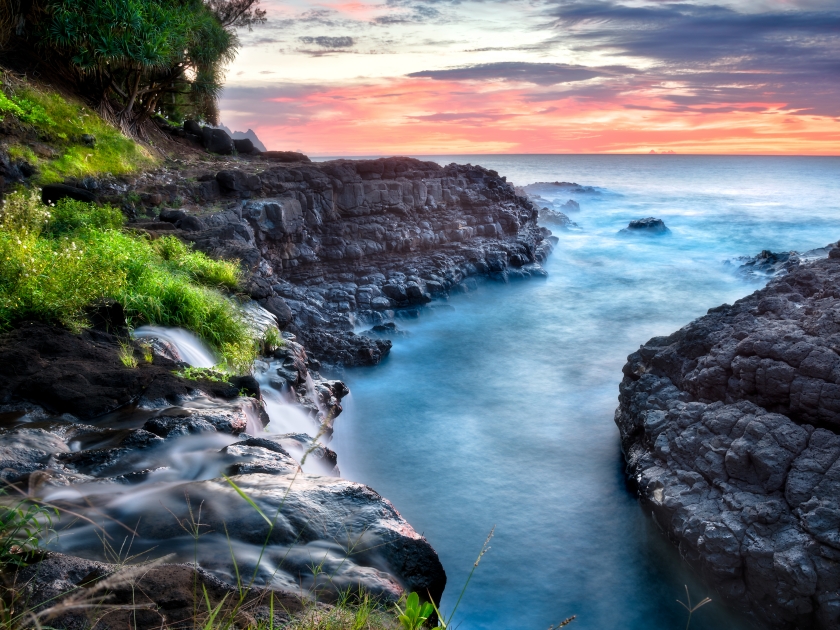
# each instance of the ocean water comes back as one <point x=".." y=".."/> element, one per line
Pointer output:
<point x="497" y="408"/>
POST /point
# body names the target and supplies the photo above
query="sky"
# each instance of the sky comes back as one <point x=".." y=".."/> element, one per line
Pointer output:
<point x="431" y="77"/>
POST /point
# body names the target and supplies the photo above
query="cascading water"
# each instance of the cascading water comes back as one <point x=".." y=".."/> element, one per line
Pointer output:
<point x="161" y="485"/>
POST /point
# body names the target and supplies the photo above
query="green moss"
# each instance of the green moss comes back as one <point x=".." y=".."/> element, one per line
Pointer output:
<point x="55" y="263"/>
<point x="62" y="123"/>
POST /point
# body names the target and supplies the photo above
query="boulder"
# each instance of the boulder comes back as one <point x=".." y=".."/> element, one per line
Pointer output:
<point x="191" y="126"/>
<point x="243" y="146"/>
<point x="649" y="225"/>
<point x="53" y="193"/>
<point x="277" y="306"/>
<point x="216" y="141"/>
<point x="554" y="217"/>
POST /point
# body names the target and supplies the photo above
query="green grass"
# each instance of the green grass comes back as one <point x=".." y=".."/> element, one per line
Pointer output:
<point x="56" y="262"/>
<point x="61" y="123"/>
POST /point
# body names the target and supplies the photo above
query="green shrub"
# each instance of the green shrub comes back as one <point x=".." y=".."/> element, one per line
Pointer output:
<point x="57" y="262"/>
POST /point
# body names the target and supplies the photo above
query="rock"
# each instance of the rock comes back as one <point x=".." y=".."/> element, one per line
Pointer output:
<point x="82" y="374"/>
<point x="216" y="141"/>
<point x="172" y="216"/>
<point x="361" y="538"/>
<point x="243" y="146"/>
<point x="88" y="140"/>
<point x="53" y="193"/>
<point x="191" y="126"/>
<point x="277" y="306"/>
<point x="142" y="595"/>
<point x="237" y="181"/>
<point x="571" y="206"/>
<point x="772" y="264"/>
<point x="730" y="428"/>
<point x="284" y="156"/>
<point x="646" y="226"/>
<point x="556" y="218"/>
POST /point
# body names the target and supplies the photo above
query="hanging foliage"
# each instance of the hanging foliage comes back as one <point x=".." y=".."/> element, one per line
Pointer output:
<point x="139" y="57"/>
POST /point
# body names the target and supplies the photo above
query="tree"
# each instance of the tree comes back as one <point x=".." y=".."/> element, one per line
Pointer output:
<point x="137" y="57"/>
<point x="237" y="13"/>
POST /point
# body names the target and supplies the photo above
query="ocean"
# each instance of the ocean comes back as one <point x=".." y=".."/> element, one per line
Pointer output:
<point x="496" y="409"/>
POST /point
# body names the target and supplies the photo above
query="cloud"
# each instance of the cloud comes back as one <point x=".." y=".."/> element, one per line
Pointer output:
<point x="329" y="42"/>
<point x="716" y="55"/>
<point x="462" y="116"/>
<point x="519" y="71"/>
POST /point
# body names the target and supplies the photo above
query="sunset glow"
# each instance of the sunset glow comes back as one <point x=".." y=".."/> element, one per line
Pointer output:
<point x="431" y="77"/>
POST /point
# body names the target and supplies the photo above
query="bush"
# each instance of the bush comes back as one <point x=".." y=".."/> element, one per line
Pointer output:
<point x="55" y="263"/>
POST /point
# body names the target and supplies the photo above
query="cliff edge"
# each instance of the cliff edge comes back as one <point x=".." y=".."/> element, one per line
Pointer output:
<point x="730" y="432"/>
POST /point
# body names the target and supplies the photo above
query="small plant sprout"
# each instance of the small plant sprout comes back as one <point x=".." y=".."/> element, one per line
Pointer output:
<point x="415" y="613"/>
<point x="691" y="608"/>
<point x="126" y="354"/>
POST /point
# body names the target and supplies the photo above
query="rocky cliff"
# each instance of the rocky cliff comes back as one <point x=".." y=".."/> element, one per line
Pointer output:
<point x="325" y="248"/>
<point x="731" y="432"/>
<point x="334" y="245"/>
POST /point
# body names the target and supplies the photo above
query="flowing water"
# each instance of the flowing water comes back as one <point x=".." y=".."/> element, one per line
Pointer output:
<point x="498" y="409"/>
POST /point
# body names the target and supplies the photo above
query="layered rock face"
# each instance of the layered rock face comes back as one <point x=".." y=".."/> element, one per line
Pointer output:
<point x="731" y="432"/>
<point x="338" y="243"/>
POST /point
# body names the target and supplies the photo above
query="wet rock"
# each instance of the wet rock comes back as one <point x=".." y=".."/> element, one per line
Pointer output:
<point x="730" y="431"/>
<point x="554" y="217"/>
<point x="277" y="306"/>
<point x="649" y="225"/>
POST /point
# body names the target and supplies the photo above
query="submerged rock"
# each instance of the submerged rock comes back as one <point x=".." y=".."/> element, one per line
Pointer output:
<point x="772" y="264"/>
<point x="554" y="217"/>
<point x="731" y="432"/>
<point x="649" y="225"/>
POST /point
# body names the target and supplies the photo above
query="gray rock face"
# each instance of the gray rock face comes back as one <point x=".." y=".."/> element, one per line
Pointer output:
<point x="349" y="242"/>
<point x="731" y="432"/>
<point x="649" y="225"/>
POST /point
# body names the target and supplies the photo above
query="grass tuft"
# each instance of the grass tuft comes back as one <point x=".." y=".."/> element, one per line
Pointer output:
<point x="57" y="262"/>
<point x="62" y="122"/>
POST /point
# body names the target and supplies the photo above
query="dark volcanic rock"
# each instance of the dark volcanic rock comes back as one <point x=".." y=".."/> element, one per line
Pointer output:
<point x="285" y="156"/>
<point x="53" y="193"/>
<point x="79" y="374"/>
<point x="351" y="242"/>
<point x="216" y="141"/>
<point x="646" y="226"/>
<point x="731" y="431"/>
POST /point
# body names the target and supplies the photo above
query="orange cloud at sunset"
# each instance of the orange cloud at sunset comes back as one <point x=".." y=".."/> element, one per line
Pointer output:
<point x="610" y="92"/>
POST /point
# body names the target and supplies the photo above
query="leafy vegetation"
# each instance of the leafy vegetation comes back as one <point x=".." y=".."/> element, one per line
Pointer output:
<point x="415" y="614"/>
<point x="55" y="263"/>
<point x="64" y="123"/>
<point x="202" y="374"/>
<point x="136" y="58"/>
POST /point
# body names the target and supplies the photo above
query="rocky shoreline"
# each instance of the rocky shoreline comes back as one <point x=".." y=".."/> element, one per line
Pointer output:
<point x="729" y="428"/>
<point x="327" y="248"/>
